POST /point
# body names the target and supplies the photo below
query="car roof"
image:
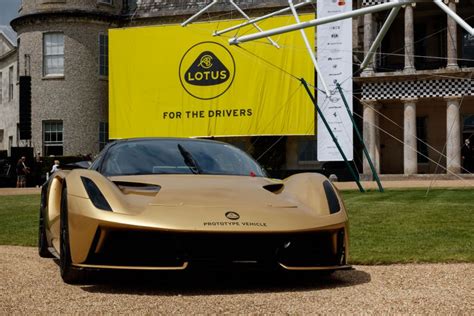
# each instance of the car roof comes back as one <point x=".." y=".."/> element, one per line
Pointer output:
<point x="177" y="139"/>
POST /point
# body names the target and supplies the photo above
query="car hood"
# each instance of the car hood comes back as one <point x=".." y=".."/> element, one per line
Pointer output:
<point x="212" y="190"/>
<point x="209" y="202"/>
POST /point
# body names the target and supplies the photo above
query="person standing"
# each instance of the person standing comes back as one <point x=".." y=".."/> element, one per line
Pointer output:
<point x="21" y="171"/>
<point x="37" y="169"/>
<point x="467" y="156"/>
<point x="55" y="167"/>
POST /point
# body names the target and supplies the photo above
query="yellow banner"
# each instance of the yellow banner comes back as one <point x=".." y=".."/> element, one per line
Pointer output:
<point x="175" y="81"/>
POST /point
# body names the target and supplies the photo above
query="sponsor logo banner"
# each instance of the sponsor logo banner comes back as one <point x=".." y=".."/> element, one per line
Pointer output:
<point x="335" y="60"/>
<point x="175" y="81"/>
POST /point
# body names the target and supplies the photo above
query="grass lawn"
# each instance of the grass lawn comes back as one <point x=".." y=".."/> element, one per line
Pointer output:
<point x="19" y="220"/>
<point x="397" y="226"/>
<point x="408" y="226"/>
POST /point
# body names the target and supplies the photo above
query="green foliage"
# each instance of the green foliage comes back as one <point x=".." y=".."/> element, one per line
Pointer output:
<point x="397" y="226"/>
<point x="402" y="226"/>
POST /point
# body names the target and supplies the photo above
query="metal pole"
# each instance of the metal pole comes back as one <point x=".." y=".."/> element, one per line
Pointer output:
<point x="235" y="27"/>
<point x="455" y="17"/>
<point x="374" y="172"/>
<point x="334" y="139"/>
<point x="380" y="37"/>
<point x="194" y="17"/>
<point x="316" y="22"/>
<point x="254" y="24"/>
<point x="310" y="49"/>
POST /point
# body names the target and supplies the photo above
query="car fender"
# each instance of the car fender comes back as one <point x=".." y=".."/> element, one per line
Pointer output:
<point x="51" y="206"/>
<point x="308" y="189"/>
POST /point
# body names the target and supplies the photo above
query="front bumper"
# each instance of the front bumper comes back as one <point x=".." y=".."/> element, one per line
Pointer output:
<point x="159" y="250"/>
<point x="108" y="240"/>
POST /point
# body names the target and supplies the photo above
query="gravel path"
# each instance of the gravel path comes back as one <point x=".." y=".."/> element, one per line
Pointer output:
<point x="32" y="285"/>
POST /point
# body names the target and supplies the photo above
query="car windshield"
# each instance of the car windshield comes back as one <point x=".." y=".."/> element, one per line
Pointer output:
<point x="163" y="156"/>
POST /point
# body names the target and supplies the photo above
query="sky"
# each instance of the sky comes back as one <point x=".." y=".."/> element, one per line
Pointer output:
<point x="8" y="10"/>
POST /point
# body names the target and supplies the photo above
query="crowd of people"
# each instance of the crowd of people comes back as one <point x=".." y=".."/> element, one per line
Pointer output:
<point x="35" y="173"/>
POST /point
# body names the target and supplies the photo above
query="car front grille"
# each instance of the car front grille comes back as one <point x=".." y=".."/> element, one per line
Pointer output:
<point x="165" y="249"/>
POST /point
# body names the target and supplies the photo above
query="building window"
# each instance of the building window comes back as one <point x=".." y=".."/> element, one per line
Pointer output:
<point x="10" y="83"/>
<point x="10" y="144"/>
<point x="308" y="150"/>
<point x="103" y="134"/>
<point x="467" y="43"/>
<point x="53" y="138"/>
<point x="1" y="87"/>
<point x="53" y="54"/>
<point x="131" y="5"/>
<point x="422" y="141"/>
<point x="430" y="38"/>
<point x="103" y="54"/>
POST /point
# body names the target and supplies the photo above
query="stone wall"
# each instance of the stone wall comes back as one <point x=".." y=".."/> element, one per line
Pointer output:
<point x="9" y="108"/>
<point x="156" y="8"/>
<point x="42" y="6"/>
<point x="80" y="97"/>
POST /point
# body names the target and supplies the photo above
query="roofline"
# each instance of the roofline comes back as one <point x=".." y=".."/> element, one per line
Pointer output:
<point x="8" y="38"/>
<point x="101" y="16"/>
<point x="8" y="54"/>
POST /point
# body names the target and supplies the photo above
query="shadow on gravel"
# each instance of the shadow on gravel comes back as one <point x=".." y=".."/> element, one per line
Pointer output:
<point x="191" y="283"/>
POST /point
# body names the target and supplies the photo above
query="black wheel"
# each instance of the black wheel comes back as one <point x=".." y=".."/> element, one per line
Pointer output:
<point x="42" y="241"/>
<point x="69" y="274"/>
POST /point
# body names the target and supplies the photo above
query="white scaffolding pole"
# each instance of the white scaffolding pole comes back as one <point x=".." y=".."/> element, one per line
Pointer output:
<point x="195" y="16"/>
<point x="310" y="49"/>
<point x="210" y="5"/>
<point x="316" y="22"/>
<point x="264" y="17"/>
<point x="380" y="36"/>
<point x="455" y="17"/>
<point x="254" y="24"/>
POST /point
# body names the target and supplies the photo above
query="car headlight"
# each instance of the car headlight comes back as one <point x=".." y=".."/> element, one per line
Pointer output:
<point x="95" y="195"/>
<point x="331" y="196"/>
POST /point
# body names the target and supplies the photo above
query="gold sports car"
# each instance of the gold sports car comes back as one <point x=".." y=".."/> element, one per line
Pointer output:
<point x="176" y="204"/>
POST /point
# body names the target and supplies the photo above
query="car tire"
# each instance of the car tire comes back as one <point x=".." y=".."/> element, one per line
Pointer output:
<point x="69" y="274"/>
<point x="42" y="240"/>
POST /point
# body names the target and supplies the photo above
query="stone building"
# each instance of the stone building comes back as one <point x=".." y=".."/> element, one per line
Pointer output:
<point x="8" y="90"/>
<point x="63" y="47"/>
<point x="419" y="86"/>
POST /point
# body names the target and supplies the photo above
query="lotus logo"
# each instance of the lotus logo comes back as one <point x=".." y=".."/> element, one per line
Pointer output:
<point x="206" y="61"/>
<point x="207" y="70"/>
<point x="232" y="216"/>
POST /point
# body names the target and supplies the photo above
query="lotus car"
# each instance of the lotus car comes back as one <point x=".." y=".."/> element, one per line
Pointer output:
<point x="178" y="204"/>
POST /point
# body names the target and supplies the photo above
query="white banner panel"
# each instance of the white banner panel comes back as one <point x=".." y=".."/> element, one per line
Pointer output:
<point x="334" y="47"/>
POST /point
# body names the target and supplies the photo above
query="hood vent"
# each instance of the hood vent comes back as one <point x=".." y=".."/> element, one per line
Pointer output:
<point x="274" y="187"/>
<point x="137" y="188"/>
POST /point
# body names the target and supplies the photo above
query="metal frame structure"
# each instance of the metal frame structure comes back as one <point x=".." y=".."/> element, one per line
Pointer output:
<point x="264" y="17"/>
<point x="310" y="49"/>
<point x="210" y="5"/>
<point x="393" y="5"/>
<point x="334" y="138"/>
